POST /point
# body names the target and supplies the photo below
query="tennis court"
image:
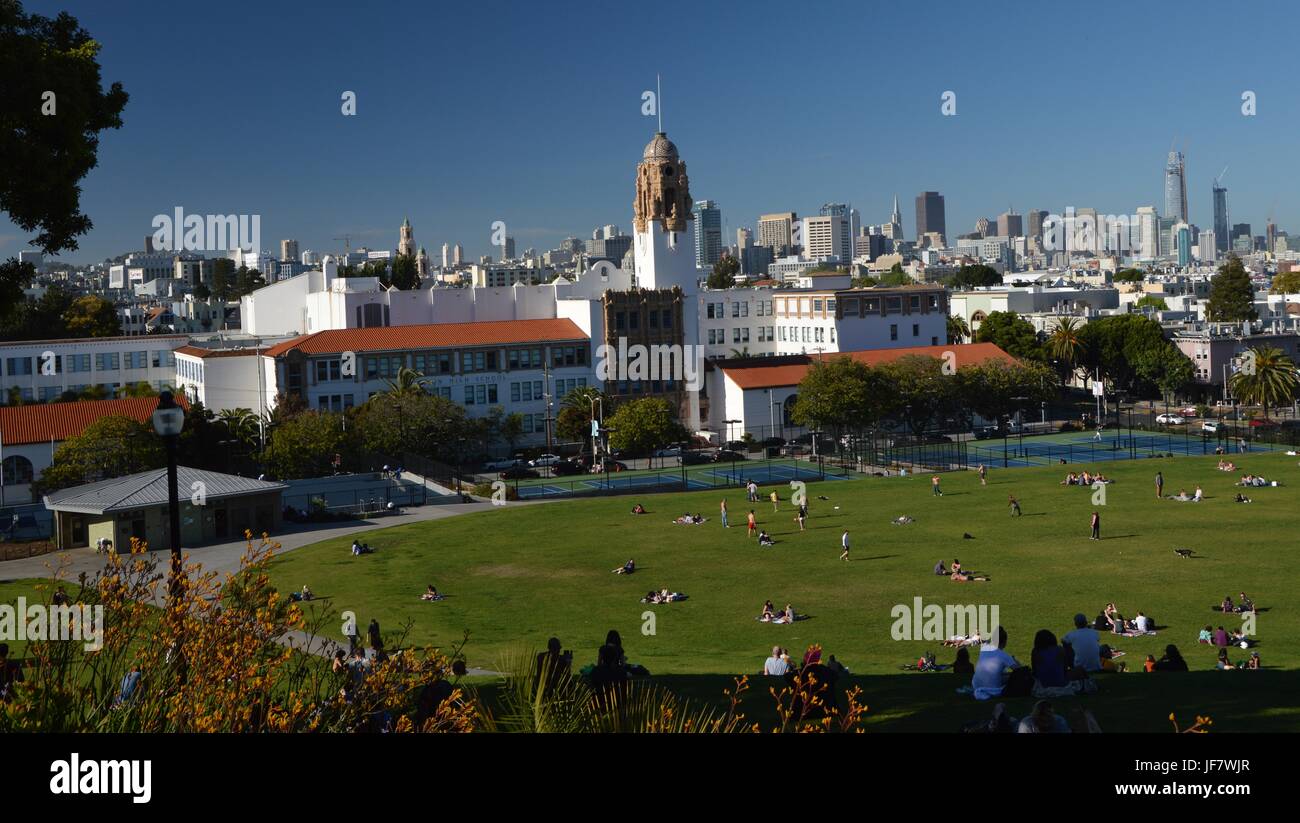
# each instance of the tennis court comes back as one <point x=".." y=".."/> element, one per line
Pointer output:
<point x="699" y="478"/>
<point x="1085" y="448"/>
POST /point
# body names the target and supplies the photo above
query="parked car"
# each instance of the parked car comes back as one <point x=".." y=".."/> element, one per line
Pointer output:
<point x="1171" y="419"/>
<point x="544" y="460"/>
<point x="728" y="455"/>
<point x="1261" y="423"/>
<point x="519" y="473"/>
<point x="690" y="458"/>
<point x="502" y="465"/>
<point x="1211" y="426"/>
<point x="671" y="451"/>
<point x="1188" y="411"/>
<point x="563" y="468"/>
<point x="605" y="464"/>
<point x="735" y="446"/>
<point x="794" y="450"/>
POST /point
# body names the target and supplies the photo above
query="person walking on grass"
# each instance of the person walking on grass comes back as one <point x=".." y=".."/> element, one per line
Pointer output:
<point x="844" y="542"/>
<point x="1096" y="526"/>
<point x="984" y="475"/>
<point x="1097" y="436"/>
<point x="1014" y="504"/>
<point x="1160" y="485"/>
<point x="723" y="509"/>
<point x="753" y="524"/>
<point x="774" y="498"/>
<point x="802" y="515"/>
<point x="934" y="486"/>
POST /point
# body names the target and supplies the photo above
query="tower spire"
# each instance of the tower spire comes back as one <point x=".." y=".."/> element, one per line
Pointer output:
<point x="659" y="103"/>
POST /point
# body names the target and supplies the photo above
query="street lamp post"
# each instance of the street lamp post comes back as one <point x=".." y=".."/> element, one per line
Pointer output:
<point x="168" y="420"/>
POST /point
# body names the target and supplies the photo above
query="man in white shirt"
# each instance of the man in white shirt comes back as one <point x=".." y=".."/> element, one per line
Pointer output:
<point x="1143" y="622"/>
<point x="993" y="662"/>
<point x="1086" y="644"/>
<point x="775" y="666"/>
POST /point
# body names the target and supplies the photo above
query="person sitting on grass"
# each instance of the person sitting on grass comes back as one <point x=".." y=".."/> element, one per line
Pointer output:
<point x="1149" y="665"/>
<point x="1241" y="498"/>
<point x="1171" y="661"/>
<point x="638" y="509"/>
<point x="627" y="568"/>
<point x="989" y="678"/>
<point x="1108" y="664"/>
<point x="1227" y="607"/>
<point x="431" y="593"/>
<point x="1043" y="721"/>
<point x="1246" y="604"/>
<point x="1206" y="636"/>
<point x="789" y="614"/>
<point x="959" y="576"/>
<point x="1253" y="661"/>
<point x="940" y="570"/>
<point x="765" y="539"/>
<point x="769" y="612"/>
<point x="1047" y="661"/>
<point x="1198" y="495"/>
<point x="1223" y="663"/>
<point x="776" y="665"/>
<point x="962" y="663"/>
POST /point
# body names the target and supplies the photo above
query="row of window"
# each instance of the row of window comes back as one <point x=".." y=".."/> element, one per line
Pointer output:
<point x="386" y="367"/>
<point x="739" y="308"/>
<point x="48" y="394"/>
<point x="655" y="319"/>
<point x="893" y="305"/>
<point x="103" y="361"/>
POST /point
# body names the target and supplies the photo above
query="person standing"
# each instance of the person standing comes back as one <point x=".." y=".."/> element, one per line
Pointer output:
<point x="844" y="542"/>
<point x="1014" y="504"/>
<point x="802" y="515"/>
<point x="1160" y="485"/>
<point x="934" y="486"/>
<point x="775" y="498"/>
<point x="1096" y="526"/>
<point x="723" y="508"/>
<point x="984" y="475"/>
<point x="1097" y="436"/>
<point x="753" y="525"/>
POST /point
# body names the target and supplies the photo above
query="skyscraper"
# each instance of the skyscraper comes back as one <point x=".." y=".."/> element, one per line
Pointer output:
<point x="1010" y="224"/>
<point x="930" y="214"/>
<point x="777" y="231"/>
<point x="288" y="249"/>
<point x="848" y="227"/>
<point x="708" y="233"/>
<point x="1221" y="237"/>
<point x="446" y="255"/>
<point x="826" y="236"/>
<point x="1176" y="187"/>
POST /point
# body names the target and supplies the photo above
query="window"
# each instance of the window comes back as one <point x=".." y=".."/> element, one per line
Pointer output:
<point x="830" y="305"/>
<point x="81" y="362"/>
<point x="106" y="362"/>
<point x="17" y="470"/>
<point x="327" y="370"/>
<point x="668" y="318"/>
<point x="137" y="360"/>
<point x="916" y="329"/>
<point x="817" y="306"/>
<point x="161" y="359"/>
<point x="893" y="331"/>
<point x="18" y="365"/>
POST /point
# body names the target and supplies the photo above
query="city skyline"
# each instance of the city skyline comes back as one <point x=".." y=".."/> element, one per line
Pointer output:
<point x="456" y="153"/>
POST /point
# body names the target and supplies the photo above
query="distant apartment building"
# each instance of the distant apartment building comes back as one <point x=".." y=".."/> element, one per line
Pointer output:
<point x="930" y="215"/>
<point x="777" y="232"/>
<point x="708" y="233"/>
<point x="827" y="236"/>
<point x="42" y="370"/>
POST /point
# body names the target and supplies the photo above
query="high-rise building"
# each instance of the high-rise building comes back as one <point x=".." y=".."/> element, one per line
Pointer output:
<point x="930" y="215"/>
<point x="848" y="227"/>
<point x="1182" y="235"/>
<point x="1208" y="247"/>
<point x="708" y="233"/>
<point x="777" y="231"/>
<point x="1148" y="234"/>
<point x="894" y="229"/>
<point x="983" y="226"/>
<point x="1221" y="235"/>
<point x="446" y="255"/>
<point x="457" y="254"/>
<point x="1270" y="236"/>
<point x="509" y="252"/>
<point x="1176" y="187"/>
<point x="826" y="236"/>
<point x="1010" y="224"/>
<point x="288" y="249"/>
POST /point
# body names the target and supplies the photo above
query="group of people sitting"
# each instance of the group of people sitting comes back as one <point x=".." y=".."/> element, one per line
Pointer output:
<point x="771" y="615"/>
<point x="1254" y="480"/>
<point x="780" y="664"/>
<point x="638" y="509"/>
<point x="431" y="594"/>
<point x="1241" y="498"/>
<point x="305" y="594"/>
<point x="765" y="539"/>
<point x="663" y="596"/>
<point x="1226" y="466"/>
<point x="1110" y="620"/>
<point x="1224" y="663"/>
<point x="689" y="519"/>
<point x="1222" y="638"/>
<point x="361" y="548"/>
<point x="1085" y="479"/>
<point x="957" y="574"/>
<point x="1245" y="606"/>
<point x="1183" y="497"/>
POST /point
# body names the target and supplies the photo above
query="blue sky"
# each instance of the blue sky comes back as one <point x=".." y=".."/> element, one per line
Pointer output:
<point x="531" y="112"/>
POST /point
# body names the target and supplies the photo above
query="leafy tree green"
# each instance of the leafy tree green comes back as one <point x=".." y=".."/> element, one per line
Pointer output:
<point x="92" y="316"/>
<point x="839" y="394"/>
<point x="991" y="388"/>
<point x="1152" y="302"/>
<point x="724" y="273"/>
<point x="1287" y="282"/>
<point x="405" y="272"/>
<point x="643" y="425"/>
<point x="1011" y="333"/>
<point x="919" y="391"/>
<point x="573" y="423"/>
<point x="420" y="423"/>
<point x="958" y="329"/>
<point x="140" y="389"/>
<point x="1131" y="351"/>
<point x="111" y="446"/>
<point x="1232" y="296"/>
<point x="305" y="445"/>
<point x="247" y="281"/>
<point x="1065" y="345"/>
<point x="45" y="153"/>
<point x="223" y="279"/>
<point x="39" y="319"/>
<point x="202" y="292"/>
<point x="1129" y="276"/>
<point x="972" y="276"/>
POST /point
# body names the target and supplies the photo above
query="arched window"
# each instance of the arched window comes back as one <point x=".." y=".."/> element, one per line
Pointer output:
<point x="17" y="470"/>
<point x="977" y="317"/>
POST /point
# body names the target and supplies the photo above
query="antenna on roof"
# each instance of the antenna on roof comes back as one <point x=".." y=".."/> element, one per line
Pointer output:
<point x="659" y="103"/>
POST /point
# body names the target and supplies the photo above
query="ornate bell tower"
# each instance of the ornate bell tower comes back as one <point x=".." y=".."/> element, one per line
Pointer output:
<point x="665" y="247"/>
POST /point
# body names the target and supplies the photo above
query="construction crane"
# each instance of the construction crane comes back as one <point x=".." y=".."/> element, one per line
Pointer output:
<point x="347" y="241"/>
<point x="1220" y="177"/>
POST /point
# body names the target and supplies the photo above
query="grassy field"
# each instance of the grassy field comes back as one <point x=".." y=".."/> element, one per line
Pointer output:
<point x="519" y="574"/>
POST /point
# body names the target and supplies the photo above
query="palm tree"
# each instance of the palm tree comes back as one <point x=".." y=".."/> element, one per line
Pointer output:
<point x="958" y="329"/>
<point x="740" y="353"/>
<point x="407" y="382"/>
<point x="1065" y="344"/>
<point x="1267" y="377"/>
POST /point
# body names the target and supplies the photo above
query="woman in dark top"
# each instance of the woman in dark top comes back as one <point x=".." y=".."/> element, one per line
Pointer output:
<point x="1048" y="660"/>
<point x="1172" y="660"/>
<point x="962" y="664"/>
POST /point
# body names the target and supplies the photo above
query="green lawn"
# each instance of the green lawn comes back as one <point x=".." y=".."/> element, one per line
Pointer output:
<point x="519" y="574"/>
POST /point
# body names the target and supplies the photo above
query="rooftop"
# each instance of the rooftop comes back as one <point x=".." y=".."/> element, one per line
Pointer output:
<point x="431" y="336"/>
<point x="149" y="488"/>
<point x="755" y="374"/>
<point x="56" y="422"/>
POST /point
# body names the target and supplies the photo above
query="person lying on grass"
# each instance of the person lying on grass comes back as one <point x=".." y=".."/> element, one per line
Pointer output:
<point x="662" y="596"/>
<point x="638" y="509"/>
<point x="959" y="576"/>
<point x="431" y="594"/>
<point x="627" y="568"/>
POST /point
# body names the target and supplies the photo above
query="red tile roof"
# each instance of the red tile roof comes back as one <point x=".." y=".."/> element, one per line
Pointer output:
<point x="43" y="422"/>
<point x="432" y="336"/>
<point x="755" y="375"/>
